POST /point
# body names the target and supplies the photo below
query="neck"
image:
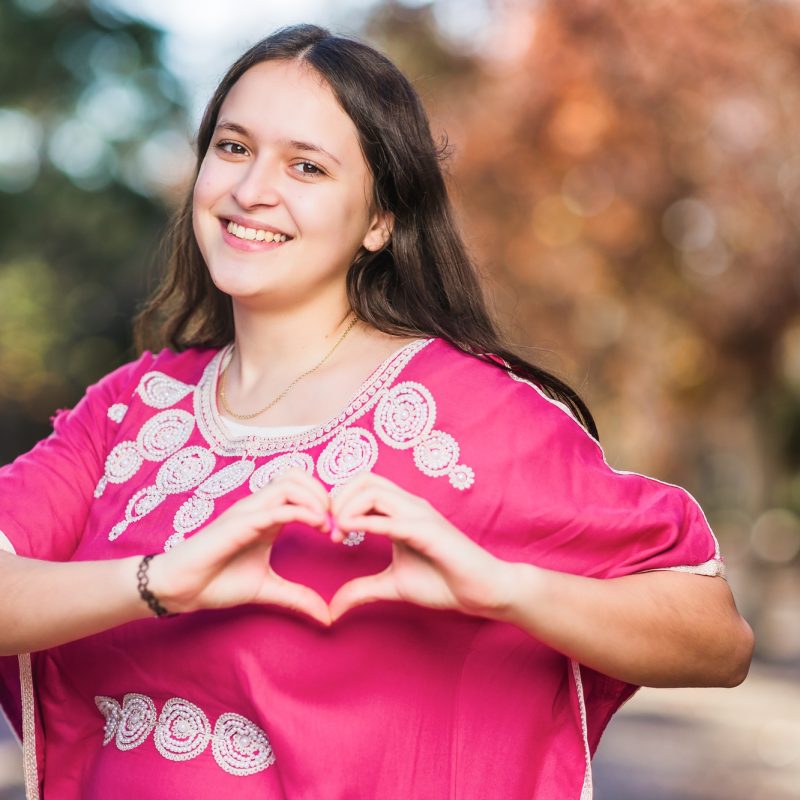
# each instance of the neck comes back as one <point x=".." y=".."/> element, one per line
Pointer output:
<point x="283" y="340"/>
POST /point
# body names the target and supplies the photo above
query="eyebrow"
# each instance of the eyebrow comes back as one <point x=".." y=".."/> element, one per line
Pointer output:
<point x="293" y="143"/>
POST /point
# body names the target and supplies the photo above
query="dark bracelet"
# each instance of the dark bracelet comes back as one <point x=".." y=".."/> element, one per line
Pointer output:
<point x="145" y="593"/>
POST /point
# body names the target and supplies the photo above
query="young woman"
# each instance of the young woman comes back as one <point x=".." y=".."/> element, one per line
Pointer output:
<point x="390" y="562"/>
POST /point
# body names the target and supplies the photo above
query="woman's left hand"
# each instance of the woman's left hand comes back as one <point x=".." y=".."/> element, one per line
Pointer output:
<point x="433" y="563"/>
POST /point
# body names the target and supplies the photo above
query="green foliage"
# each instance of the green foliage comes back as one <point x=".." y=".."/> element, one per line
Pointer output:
<point x="88" y="114"/>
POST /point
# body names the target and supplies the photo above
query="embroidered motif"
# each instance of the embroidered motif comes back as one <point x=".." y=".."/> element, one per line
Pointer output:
<point x="192" y="514"/>
<point x="138" y="719"/>
<point x="165" y="434"/>
<point x="226" y="480"/>
<point x="182" y="731"/>
<point x="158" y="390"/>
<point x="116" y="413"/>
<point x="158" y="439"/>
<point x="123" y="462"/>
<point x="185" y="470"/>
<point x="352" y="451"/>
<point x="181" y="472"/>
<point x="112" y="711"/>
<point x="405" y="415"/>
<point x="257" y="446"/>
<point x="404" y="418"/>
<point x="277" y="466"/>
<point x="354" y="538"/>
<point x="241" y="747"/>
<point x="437" y="454"/>
<point x="173" y="540"/>
<point x="461" y="477"/>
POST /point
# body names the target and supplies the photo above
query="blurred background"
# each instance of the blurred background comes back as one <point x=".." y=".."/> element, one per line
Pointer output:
<point x="627" y="173"/>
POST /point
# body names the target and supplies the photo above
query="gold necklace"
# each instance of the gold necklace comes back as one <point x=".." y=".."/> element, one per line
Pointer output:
<point x="283" y="394"/>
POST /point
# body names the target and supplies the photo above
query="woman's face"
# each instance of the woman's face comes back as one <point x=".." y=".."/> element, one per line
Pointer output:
<point x="282" y="201"/>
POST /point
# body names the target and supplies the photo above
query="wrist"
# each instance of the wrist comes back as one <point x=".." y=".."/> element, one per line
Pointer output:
<point x="520" y="593"/>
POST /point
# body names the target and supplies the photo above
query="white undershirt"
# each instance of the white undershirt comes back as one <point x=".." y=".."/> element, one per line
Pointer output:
<point x="237" y="429"/>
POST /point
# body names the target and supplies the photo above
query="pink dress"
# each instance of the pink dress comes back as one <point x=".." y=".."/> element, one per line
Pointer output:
<point x="393" y="701"/>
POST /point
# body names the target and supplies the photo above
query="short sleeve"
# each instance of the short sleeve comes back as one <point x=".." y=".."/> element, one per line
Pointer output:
<point x="46" y="494"/>
<point x="572" y="512"/>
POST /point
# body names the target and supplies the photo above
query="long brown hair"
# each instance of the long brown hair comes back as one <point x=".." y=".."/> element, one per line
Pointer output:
<point x="421" y="283"/>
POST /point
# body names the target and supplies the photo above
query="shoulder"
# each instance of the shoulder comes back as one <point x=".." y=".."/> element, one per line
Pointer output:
<point x="187" y="366"/>
<point x="473" y="389"/>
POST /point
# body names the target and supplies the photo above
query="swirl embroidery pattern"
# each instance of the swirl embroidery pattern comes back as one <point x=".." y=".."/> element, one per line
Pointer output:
<point x="182" y="731"/>
<point x="404" y="419"/>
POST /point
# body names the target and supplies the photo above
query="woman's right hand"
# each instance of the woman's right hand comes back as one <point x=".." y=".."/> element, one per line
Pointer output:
<point x="227" y="563"/>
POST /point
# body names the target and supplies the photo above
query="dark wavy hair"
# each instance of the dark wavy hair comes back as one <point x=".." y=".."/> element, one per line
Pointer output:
<point x="421" y="283"/>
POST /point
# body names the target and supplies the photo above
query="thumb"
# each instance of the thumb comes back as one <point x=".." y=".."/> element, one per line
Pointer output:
<point x="361" y="591"/>
<point x="294" y="596"/>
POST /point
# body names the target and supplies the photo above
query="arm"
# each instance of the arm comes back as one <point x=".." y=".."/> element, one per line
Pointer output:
<point x="48" y="603"/>
<point x="652" y="628"/>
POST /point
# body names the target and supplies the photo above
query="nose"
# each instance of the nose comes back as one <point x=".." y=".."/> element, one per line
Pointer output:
<point x="258" y="185"/>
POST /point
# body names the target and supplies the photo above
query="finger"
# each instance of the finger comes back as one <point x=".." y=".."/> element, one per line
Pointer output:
<point x="360" y="482"/>
<point x="290" y="489"/>
<point x="371" y="498"/>
<point x="294" y="596"/>
<point x="361" y="591"/>
<point x="303" y="478"/>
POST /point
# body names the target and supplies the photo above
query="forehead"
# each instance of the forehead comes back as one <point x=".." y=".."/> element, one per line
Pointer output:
<point x="288" y="100"/>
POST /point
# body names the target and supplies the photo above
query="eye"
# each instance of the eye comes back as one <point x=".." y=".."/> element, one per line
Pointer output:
<point x="308" y="169"/>
<point x="232" y="148"/>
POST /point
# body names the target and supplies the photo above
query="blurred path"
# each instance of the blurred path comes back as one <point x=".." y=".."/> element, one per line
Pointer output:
<point x="706" y="744"/>
<point x="665" y="744"/>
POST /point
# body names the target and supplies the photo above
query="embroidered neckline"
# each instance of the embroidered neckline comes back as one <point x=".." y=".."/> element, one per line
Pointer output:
<point x="213" y="429"/>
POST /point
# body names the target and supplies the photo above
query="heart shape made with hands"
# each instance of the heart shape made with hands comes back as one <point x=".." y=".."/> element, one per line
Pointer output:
<point x="412" y="552"/>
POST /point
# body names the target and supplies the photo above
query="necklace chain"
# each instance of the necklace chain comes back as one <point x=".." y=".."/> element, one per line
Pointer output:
<point x="283" y="394"/>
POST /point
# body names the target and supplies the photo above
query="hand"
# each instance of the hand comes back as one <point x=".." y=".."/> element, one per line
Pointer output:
<point x="227" y="563"/>
<point x="433" y="563"/>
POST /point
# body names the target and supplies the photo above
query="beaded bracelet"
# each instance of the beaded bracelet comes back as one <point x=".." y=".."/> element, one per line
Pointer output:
<point x="144" y="592"/>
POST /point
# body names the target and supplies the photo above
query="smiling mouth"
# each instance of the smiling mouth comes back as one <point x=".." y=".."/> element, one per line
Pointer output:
<point x="255" y="234"/>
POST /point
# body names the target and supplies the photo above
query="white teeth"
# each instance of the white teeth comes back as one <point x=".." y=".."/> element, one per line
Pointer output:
<point x="254" y="234"/>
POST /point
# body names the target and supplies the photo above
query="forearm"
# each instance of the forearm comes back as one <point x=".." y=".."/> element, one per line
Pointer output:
<point x="49" y="603"/>
<point x="650" y="629"/>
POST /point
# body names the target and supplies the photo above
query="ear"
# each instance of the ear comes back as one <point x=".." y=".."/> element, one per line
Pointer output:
<point x="379" y="231"/>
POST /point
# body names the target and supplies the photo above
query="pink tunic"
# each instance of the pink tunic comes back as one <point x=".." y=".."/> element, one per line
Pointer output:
<point x="394" y="700"/>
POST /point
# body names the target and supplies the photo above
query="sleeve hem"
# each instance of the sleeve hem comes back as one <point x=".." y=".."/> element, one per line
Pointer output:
<point x="5" y="544"/>
<point x="714" y="568"/>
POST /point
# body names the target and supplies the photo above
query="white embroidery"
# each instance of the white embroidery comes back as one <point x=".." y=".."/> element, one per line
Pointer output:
<point x="112" y="711"/>
<point x="165" y="434"/>
<point x="241" y="747"/>
<point x="437" y="454"/>
<point x="226" y="480"/>
<point x="182" y="731"/>
<point x="181" y="472"/>
<point x="352" y="451"/>
<point x="462" y="476"/>
<point x="173" y="540"/>
<point x="160" y="391"/>
<point x="367" y="396"/>
<point x="116" y="413"/>
<point x="192" y="514"/>
<point x="123" y="462"/>
<point x="158" y="438"/>
<point x="354" y="538"/>
<point x="277" y="466"/>
<point x="138" y="719"/>
<point x="405" y="415"/>
<point x="185" y="470"/>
